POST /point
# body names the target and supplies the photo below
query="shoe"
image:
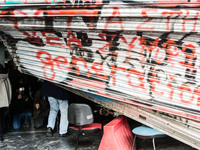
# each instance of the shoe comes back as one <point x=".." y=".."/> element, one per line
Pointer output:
<point x="26" y="126"/>
<point x="64" y="135"/>
<point x="49" y="132"/>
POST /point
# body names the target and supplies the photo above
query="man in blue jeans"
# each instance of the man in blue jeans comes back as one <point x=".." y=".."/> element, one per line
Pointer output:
<point x="18" y="117"/>
<point x="21" y="105"/>
<point x="58" y="100"/>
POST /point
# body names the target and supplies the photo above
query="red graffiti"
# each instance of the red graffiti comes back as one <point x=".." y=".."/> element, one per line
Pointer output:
<point x="113" y="71"/>
<point x="131" y="45"/>
<point x="48" y="61"/>
<point x="186" y="88"/>
<point x="189" y="51"/>
<point x="115" y="13"/>
<point x="99" y="71"/>
<point x="194" y="20"/>
<point x="52" y="40"/>
<point x="171" y="49"/>
<point x="140" y="76"/>
<point x="171" y="87"/>
<point x="10" y="15"/>
<point x="71" y="38"/>
<point x="169" y="15"/>
<point x="144" y="13"/>
<point x="109" y="43"/>
<point x="197" y="92"/>
<point x="72" y="12"/>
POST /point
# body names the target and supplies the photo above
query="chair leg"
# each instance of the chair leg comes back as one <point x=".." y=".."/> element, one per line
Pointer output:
<point x="133" y="143"/>
<point x="79" y="133"/>
<point x="154" y="147"/>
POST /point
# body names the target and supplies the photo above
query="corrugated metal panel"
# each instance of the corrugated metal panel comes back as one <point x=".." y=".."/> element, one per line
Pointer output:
<point x="144" y="53"/>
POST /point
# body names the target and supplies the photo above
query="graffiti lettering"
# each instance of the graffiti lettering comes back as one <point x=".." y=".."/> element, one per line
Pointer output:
<point x="127" y="51"/>
<point x="48" y="61"/>
<point x="52" y="40"/>
<point x="144" y="13"/>
<point x="72" y="39"/>
<point x="189" y="20"/>
<point x="115" y="13"/>
<point x="87" y="54"/>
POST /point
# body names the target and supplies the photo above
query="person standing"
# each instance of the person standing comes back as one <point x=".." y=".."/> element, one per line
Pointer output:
<point x="13" y="75"/>
<point x="58" y="100"/>
<point x="5" y="93"/>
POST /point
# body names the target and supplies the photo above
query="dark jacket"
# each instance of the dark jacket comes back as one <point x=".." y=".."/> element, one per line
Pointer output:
<point x="39" y="99"/>
<point x="19" y="106"/>
<point x="51" y="90"/>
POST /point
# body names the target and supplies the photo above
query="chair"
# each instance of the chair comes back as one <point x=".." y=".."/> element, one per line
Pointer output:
<point x="145" y="132"/>
<point x="81" y="116"/>
<point x="117" y="135"/>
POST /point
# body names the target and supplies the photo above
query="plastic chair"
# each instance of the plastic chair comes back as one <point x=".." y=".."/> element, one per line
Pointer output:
<point x="81" y="116"/>
<point x="145" y="132"/>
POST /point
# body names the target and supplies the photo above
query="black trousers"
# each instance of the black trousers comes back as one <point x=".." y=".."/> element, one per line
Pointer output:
<point x="4" y="119"/>
<point x="39" y="120"/>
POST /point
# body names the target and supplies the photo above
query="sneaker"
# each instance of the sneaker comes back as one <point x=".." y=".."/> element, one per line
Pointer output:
<point x="49" y="132"/>
<point x="64" y="135"/>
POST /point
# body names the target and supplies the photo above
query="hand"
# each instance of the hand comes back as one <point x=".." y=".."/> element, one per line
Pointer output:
<point x="37" y="106"/>
<point x="26" y="99"/>
<point x="19" y="96"/>
<point x="104" y="112"/>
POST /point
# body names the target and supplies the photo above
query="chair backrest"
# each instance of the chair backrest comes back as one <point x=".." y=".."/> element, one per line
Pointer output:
<point x="80" y="114"/>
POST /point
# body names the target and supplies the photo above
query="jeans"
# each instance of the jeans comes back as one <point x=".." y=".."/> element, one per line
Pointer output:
<point x="17" y="119"/>
<point x="55" y="106"/>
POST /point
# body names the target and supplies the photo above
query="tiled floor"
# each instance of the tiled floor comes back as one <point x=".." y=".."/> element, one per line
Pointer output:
<point x="37" y="140"/>
<point x="32" y="139"/>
